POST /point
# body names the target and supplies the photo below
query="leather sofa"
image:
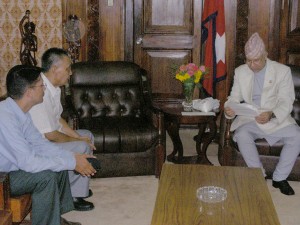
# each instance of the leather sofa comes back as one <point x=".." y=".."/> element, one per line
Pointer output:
<point x="229" y="154"/>
<point x="113" y="101"/>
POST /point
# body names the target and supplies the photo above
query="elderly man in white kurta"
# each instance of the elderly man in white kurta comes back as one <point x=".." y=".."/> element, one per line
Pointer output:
<point x="46" y="116"/>
<point x="268" y="86"/>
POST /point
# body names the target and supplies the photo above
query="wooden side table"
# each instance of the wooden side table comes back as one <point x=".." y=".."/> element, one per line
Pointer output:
<point x="173" y="119"/>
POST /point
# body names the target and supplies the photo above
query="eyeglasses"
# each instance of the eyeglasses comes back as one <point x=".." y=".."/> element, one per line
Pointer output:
<point x="42" y="85"/>
<point x="253" y="61"/>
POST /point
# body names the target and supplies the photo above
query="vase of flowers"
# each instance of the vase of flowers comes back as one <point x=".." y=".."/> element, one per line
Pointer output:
<point x="191" y="76"/>
<point x="188" y="92"/>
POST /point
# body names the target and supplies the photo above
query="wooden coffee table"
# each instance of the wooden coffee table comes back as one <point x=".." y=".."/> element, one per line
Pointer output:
<point x="248" y="199"/>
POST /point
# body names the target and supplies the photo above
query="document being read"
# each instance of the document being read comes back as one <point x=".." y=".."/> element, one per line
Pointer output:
<point x="243" y="109"/>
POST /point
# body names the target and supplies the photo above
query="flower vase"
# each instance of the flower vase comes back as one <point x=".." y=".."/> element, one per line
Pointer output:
<point x="188" y="92"/>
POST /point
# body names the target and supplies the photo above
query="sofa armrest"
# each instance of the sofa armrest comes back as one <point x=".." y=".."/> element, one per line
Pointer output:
<point x="226" y="150"/>
<point x="158" y="122"/>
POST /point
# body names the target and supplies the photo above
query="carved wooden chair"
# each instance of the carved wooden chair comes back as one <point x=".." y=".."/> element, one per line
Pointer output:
<point x="19" y="207"/>
<point x="5" y="217"/>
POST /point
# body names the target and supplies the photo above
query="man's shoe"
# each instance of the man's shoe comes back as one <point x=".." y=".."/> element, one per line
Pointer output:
<point x="66" y="222"/>
<point x="284" y="187"/>
<point x="81" y="205"/>
<point x="90" y="194"/>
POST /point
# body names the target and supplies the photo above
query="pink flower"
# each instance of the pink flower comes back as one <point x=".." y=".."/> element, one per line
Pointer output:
<point x="202" y="68"/>
<point x="183" y="68"/>
<point x="191" y="72"/>
<point x="192" y="66"/>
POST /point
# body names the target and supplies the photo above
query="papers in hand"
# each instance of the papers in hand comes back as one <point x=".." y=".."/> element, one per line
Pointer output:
<point x="243" y="109"/>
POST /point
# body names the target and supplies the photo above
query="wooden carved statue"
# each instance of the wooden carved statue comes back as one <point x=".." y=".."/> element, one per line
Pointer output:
<point x="28" y="42"/>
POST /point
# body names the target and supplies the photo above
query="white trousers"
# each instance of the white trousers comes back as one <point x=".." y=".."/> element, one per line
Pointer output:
<point x="246" y="134"/>
<point x="79" y="184"/>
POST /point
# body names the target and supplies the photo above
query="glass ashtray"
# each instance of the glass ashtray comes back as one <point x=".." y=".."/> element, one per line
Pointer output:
<point x="211" y="194"/>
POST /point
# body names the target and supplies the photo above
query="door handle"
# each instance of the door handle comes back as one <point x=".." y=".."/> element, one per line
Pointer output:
<point x="139" y="40"/>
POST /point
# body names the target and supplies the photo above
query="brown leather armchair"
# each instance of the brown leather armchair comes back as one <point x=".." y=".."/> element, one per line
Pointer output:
<point x="113" y="101"/>
<point x="229" y="154"/>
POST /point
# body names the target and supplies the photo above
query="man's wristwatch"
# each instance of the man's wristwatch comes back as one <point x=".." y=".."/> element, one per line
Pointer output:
<point x="273" y="115"/>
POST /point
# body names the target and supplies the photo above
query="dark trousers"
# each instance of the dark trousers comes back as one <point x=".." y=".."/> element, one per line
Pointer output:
<point x="50" y="191"/>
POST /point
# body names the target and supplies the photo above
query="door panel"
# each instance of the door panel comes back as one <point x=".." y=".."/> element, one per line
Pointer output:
<point x="168" y="16"/>
<point x="160" y="63"/>
<point x="167" y="33"/>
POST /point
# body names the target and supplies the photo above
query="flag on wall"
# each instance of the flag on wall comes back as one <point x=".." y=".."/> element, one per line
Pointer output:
<point x="213" y="35"/>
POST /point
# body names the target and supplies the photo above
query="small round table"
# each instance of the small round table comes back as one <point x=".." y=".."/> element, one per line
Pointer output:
<point x="207" y="131"/>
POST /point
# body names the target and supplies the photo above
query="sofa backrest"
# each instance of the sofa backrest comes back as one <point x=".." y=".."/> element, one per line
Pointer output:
<point x="107" y="89"/>
<point x="296" y="78"/>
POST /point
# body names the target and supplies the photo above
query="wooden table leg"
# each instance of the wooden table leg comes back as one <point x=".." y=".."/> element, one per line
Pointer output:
<point x="173" y="131"/>
<point x="203" y="139"/>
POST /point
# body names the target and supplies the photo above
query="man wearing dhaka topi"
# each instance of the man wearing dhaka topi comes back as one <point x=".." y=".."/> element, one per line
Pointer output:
<point x="268" y="86"/>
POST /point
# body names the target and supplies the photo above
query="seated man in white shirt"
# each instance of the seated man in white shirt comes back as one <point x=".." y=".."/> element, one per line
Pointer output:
<point x="46" y="116"/>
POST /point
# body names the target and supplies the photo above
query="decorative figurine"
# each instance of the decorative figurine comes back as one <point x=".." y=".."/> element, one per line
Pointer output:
<point x="28" y="42"/>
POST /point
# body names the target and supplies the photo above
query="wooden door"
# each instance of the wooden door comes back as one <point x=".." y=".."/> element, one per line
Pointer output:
<point x="166" y="33"/>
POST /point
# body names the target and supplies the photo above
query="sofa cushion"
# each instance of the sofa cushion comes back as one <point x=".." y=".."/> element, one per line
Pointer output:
<point x="121" y="134"/>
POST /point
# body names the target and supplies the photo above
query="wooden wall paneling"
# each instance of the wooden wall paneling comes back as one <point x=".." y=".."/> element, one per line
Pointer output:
<point x="79" y="8"/>
<point x="283" y="31"/>
<point x="293" y="57"/>
<point x="264" y="19"/>
<point x="93" y="34"/>
<point x="242" y="12"/>
<point x="290" y="32"/>
<point x="129" y="39"/>
<point x="259" y="19"/>
<point x="274" y="30"/>
<point x="112" y="30"/>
